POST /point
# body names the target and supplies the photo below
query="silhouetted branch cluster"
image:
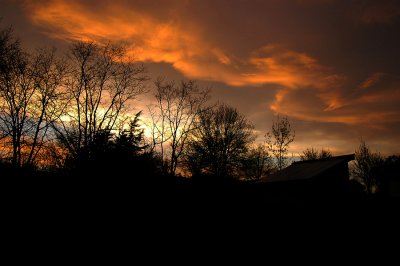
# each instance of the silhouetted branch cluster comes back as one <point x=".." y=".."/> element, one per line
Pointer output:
<point x="219" y="143"/>
<point x="279" y="139"/>
<point x="174" y="115"/>
<point x="101" y="82"/>
<point x="314" y="154"/>
<point x="367" y="167"/>
<point x="30" y="99"/>
<point x="114" y="154"/>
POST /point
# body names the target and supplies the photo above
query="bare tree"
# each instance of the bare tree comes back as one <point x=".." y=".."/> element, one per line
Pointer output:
<point x="16" y="91"/>
<point x="279" y="140"/>
<point x="48" y="76"/>
<point x="314" y="154"/>
<point x="258" y="163"/>
<point x="28" y="98"/>
<point x="101" y="81"/>
<point x="219" y="143"/>
<point x="367" y="167"/>
<point x="174" y="116"/>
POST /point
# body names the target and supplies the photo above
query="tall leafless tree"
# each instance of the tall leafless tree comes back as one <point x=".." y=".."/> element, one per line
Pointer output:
<point x="29" y="97"/>
<point x="101" y="82"/>
<point x="48" y="103"/>
<point x="173" y="117"/>
<point x="16" y="90"/>
<point x="279" y="140"/>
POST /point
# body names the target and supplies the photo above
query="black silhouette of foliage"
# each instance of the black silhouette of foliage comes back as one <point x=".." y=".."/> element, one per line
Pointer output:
<point x="130" y="141"/>
<point x="219" y="143"/>
<point x="258" y="163"/>
<point x="313" y="154"/>
<point x="92" y="159"/>
<point x="121" y="154"/>
<point x="367" y="167"/>
<point x="389" y="183"/>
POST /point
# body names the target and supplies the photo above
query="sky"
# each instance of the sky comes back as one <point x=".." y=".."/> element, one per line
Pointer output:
<point x="331" y="66"/>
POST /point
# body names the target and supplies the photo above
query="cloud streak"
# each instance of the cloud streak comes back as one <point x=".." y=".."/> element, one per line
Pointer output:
<point x="362" y="105"/>
<point x="184" y="47"/>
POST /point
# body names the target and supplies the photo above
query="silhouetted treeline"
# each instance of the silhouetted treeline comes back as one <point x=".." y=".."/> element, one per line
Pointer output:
<point x="70" y="118"/>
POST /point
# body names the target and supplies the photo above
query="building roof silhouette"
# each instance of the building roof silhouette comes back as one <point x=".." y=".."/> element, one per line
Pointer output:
<point x="308" y="169"/>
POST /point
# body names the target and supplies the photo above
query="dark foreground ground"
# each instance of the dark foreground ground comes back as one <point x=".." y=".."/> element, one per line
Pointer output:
<point x="173" y="196"/>
<point x="162" y="218"/>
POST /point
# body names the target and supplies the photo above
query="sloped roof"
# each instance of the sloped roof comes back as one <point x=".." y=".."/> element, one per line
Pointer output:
<point x="307" y="169"/>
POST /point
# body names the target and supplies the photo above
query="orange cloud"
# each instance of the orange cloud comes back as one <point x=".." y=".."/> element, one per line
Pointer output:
<point x="310" y="108"/>
<point x="374" y="106"/>
<point x="275" y="64"/>
<point x="221" y="56"/>
<point x="151" y="39"/>
<point x="168" y="40"/>
<point x="372" y="80"/>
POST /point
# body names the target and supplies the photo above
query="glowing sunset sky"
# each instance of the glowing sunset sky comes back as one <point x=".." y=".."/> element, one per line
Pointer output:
<point x="332" y="66"/>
